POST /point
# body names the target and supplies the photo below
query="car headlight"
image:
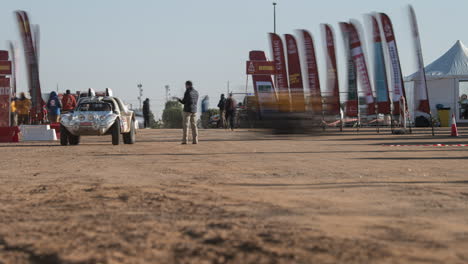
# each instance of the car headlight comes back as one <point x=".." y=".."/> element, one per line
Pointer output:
<point x="70" y="118"/>
<point x="81" y="117"/>
<point x="103" y="117"/>
<point x="90" y="117"/>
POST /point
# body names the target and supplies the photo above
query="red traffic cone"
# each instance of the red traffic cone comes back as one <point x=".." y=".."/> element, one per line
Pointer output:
<point x="454" y="126"/>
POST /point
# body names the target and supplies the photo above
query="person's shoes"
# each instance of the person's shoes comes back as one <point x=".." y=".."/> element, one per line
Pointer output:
<point x="184" y="143"/>
<point x="195" y="143"/>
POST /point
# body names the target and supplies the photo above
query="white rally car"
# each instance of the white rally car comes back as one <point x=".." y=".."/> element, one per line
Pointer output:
<point x="98" y="116"/>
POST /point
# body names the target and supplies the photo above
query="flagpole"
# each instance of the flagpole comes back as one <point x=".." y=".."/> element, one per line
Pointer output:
<point x="274" y="17"/>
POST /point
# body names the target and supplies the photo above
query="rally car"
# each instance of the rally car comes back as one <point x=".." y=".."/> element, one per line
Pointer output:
<point x="98" y="116"/>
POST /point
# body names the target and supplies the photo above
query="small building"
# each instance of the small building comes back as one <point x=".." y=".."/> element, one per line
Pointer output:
<point x="447" y="83"/>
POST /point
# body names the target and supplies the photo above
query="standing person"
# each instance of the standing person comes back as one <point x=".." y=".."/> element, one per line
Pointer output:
<point x="68" y="102"/>
<point x="13" y="112"/>
<point x="205" y="115"/>
<point x="222" y="113"/>
<point x="231" y="111"/>
<point x="190" y="102"/>
<point x="23" y="107"/>
<point x="53" y="106"/>
<point x="146" y="112"/>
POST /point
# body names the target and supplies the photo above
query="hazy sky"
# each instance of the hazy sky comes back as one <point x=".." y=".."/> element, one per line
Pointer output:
<point x="118" y="43"/>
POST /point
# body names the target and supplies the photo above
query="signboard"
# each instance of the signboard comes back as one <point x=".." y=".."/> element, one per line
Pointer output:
<point x="4" y="102"/>
<point x="5" y="67"/>
<point x="261" y="68"/>
<point x="3" y="55"/>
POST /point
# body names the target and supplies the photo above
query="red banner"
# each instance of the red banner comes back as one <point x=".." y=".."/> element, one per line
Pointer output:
<point x="281" y="73"/>
<point x="5" y="102"/>
<point x="398" y="84"/>
<point x="5" y="67"/>
<point x="312" y="73"/>
<point x="296" y="85"/>
<point x="360" y="61"/>
<point x="333" y="89"/>
<point x="32" y="62"/>
<point x="260" y="68"/>
<point x="263" y="84"/>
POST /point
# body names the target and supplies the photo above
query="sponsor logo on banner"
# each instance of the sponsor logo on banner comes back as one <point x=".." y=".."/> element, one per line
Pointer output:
<point x="281" y="72"/>
<point x="5" y="67"/>
<point x="261" y="68"/>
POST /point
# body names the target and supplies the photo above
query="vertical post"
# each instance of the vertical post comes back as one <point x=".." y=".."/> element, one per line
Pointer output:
<point x="140" y="90"/>
<point x="427" y="94"/>
<point x="167" y="92"/>
<point x="274" y="17"/>
<point x="10" y="94"/>
<point x="247" y="84"/>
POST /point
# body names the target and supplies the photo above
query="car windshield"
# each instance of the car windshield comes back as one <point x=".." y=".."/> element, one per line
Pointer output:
<point x="95" y="107"/>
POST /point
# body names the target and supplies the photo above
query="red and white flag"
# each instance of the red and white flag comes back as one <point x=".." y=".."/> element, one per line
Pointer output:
<point x="332" y="89"/>
<point x="421" y="97"/>
<point x="359" y="58"/>
<point x="296" y="85"/>
<point x="281" y="72"/>
<point x="312" y="72"/>
<point x="397" y="77"/>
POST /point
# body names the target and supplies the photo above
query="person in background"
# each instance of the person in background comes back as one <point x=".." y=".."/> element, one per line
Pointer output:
<point x="13" y="112"/>
<point x="68" y="102"/>
<point x="222" y="113"/>
<point x="53" y="106"/>
<point x="231" y="111"/>
<point x="190" y="102"/>
<point x="146" y="112"/>
<point x="205" y="104"/>
<point x="23" y="107"/>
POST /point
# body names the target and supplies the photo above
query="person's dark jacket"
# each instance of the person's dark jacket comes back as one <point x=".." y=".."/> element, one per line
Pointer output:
<point x="190" y="100"/>
<point x="146" y="108"/>
<point x="230" y="105"/>
<point x="222" y="104"/>
<point x="54" y="104"/>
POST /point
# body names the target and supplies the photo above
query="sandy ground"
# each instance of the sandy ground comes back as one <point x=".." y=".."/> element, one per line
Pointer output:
<point x="237" y="197"/>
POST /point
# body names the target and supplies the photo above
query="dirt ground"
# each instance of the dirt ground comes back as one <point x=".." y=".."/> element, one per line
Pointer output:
<point x="237" y="197"/>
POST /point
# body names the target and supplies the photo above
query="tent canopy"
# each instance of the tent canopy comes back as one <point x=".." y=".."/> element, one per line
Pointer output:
<point x="453" y="64"/>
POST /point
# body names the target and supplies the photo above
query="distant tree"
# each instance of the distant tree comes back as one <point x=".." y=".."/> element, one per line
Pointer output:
<point x="172" y="115"/>
<point x="153" y="123"/>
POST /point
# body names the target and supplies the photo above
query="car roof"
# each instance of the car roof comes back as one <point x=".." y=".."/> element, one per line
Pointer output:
<point x="96" y="99"/>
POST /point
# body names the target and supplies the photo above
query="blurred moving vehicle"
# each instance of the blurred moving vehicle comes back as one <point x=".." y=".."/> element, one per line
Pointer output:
<point x="98" y="116"/>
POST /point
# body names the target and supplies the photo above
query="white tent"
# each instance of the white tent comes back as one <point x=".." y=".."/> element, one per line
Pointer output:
<point x="447" y="82"/>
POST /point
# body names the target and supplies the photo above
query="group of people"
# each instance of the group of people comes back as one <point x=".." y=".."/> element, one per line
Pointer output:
<point x="227" y="111"/>
<point x="21" y="109"/>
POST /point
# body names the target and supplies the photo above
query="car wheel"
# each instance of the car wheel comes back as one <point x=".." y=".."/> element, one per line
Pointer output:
<point x="63" y="136"/>
<point x="116" y="132"/>
<point x="129" y="138"/>
<point x="74" y="140"/>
